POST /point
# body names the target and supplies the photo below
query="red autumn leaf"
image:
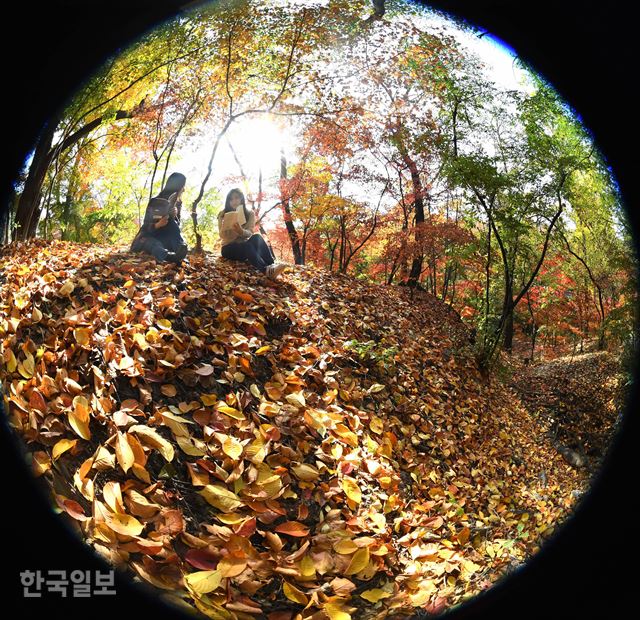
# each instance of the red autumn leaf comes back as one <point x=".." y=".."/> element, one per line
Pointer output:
<point x="199" y="558"/>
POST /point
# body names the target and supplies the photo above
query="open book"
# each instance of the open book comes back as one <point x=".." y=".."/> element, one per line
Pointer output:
<point x="229" y="220"/>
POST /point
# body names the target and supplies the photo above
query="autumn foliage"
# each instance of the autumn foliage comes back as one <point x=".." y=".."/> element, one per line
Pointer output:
<point x="318" y="447"/>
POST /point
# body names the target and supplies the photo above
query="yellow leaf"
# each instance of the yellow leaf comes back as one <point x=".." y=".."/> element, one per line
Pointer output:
<point x="296" y="399"/>
<point x="124" y="453"/>
<point x="141" y="473"/>
<point x="262" y="350"/>
<point x="305" y="472"/>
<point x="232" y="448"/>
<point x="123" y="524"/>
<point x="62" y="446"/>
<point x="79" y="417"/>
<point x="208" y="400"/>
<point x="293" y="594"/>
<point x="351" y="489"/>
<point x="66" y="288"/>
<point x="375" y="388"/>
<point x="349" y="437"/>
<point x="422" y="596"/>
<point x="231" y="519"/>
<point x="28" y="367"/>
<point x="152" y="438"/>
<point x="307" y="566"/>
<point x="187" y="446"/>
<point x="359" y="561"/>
<point x="82" y="336"/>
<point x="12" y="362"/>
<point x="376" y="425"/>
<point x="221" y="498"/>
<point x="141" y="341"/>
<point x="336" y="611"/>
<point x="375" y="595"/>
<point x="345" y="547"/>
<point x="254" y="390"/>
<point x="231" y="412"/>
<point x="21" y="302"/>
<point x="203" y="581"/>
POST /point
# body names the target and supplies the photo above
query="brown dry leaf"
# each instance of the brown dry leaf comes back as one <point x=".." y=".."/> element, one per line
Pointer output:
<point x="168" y="389"/>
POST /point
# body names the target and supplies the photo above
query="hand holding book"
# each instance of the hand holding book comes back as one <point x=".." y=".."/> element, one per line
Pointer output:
<point x="233" y="220"/>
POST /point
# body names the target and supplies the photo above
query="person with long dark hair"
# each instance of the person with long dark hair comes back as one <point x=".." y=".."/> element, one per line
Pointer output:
<point x="160" y="234"/>
<point x="240" y="242"/>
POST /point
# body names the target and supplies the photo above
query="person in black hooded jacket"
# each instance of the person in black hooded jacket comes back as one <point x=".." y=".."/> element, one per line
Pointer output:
<point x="159" y="234"/>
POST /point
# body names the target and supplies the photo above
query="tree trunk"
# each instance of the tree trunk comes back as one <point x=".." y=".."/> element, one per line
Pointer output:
<point x="508" y="333"/>
<point x="418" y="203"/>
<point x="28" y="210"/>
<point x="288" y="220"/>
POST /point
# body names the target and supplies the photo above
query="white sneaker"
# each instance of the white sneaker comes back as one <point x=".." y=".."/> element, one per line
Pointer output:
<point x="273" y="271"/>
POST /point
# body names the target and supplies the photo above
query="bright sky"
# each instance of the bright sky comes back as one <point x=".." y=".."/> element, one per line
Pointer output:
<point x="257" y="141"/>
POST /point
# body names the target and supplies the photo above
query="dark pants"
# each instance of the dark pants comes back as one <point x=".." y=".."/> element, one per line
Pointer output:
<point x="169" y="240"/>
<point x="255" y="250"/>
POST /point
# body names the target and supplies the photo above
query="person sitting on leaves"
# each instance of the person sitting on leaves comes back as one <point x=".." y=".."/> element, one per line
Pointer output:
<point x="159" y="234"/>
<point x="239" y="242"/>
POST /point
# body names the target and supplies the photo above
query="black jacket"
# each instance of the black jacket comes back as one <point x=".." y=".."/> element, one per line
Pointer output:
<point x="156" y="208"/>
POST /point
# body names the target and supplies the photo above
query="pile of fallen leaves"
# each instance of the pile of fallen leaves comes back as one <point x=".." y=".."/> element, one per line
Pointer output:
<point x="317" y="447"/>
<point x="577" y="399"/>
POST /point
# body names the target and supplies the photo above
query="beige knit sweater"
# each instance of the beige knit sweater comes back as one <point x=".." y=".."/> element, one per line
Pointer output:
<point x="229" y="236"/>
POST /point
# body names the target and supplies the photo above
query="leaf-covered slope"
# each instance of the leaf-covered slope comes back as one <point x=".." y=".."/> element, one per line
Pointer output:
<point x="318" y="445"/>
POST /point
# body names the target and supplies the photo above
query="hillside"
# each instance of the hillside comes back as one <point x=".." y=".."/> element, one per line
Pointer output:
<point x="254" y="447"/>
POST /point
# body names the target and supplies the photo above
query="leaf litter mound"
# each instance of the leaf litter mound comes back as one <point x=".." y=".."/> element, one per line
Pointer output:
<point x="317" y="447"/>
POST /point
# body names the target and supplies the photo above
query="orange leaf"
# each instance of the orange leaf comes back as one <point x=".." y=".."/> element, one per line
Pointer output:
<point x="292" y="528"/>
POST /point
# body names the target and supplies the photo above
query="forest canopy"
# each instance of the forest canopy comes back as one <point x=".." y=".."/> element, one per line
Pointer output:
<point x="371" y="139"/>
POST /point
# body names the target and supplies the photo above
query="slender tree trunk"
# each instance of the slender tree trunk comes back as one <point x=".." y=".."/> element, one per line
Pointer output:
<point x="288" y="220"/>
<point x="418" y="203"/>
<point x="602" y="343"/>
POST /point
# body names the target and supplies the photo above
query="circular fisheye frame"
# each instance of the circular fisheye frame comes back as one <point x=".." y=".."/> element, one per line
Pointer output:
<point x="314" y="309"/>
